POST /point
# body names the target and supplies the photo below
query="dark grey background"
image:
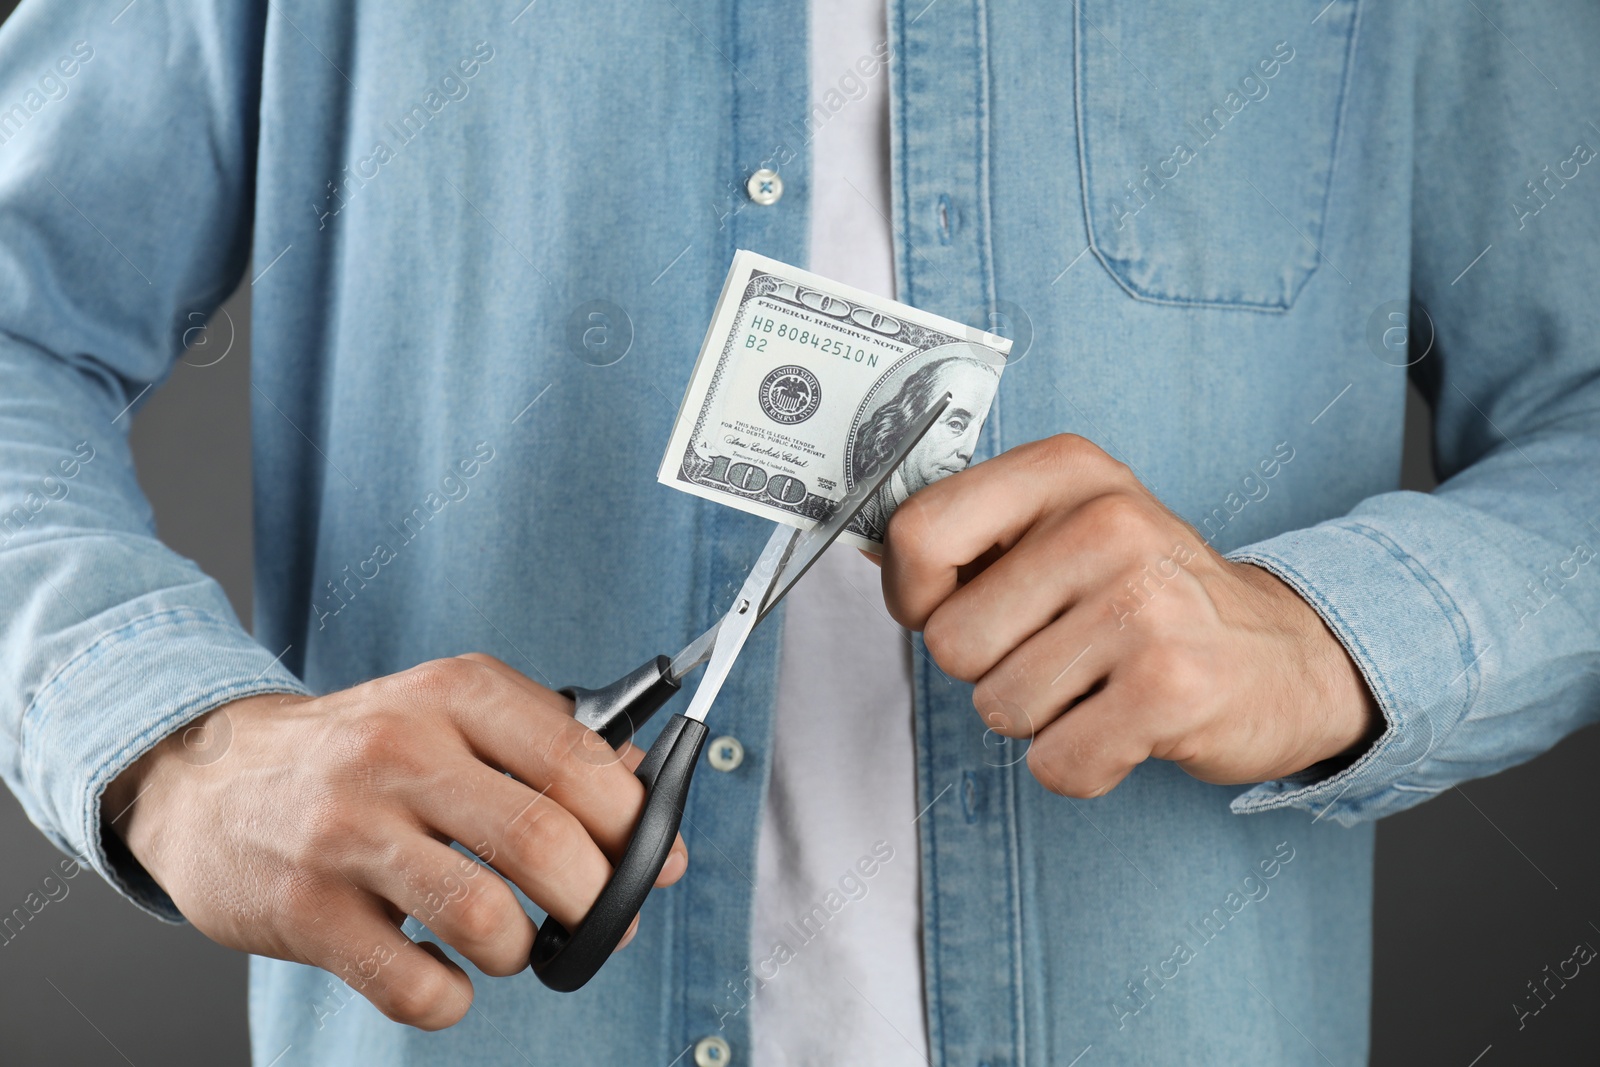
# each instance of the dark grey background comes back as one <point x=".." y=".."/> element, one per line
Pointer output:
<point x="1478" y="891"/>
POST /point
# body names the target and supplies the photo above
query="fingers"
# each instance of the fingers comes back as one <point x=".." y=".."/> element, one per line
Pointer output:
<point x="954" y="521"/>
<point x="594" y="751"/>
<point x="630" y="754"/>
<point x="1088" y="751"/>
<point x="529" y="731"/>
<point x="463" y="903"/>
<point x="1044" y="676"/>
<point x="514" y="676"/>
<point x="1170" y="700"/>
<point x="537" y="843"/>
<point x="1048" y="571"/>
<point x="410" y="983"/>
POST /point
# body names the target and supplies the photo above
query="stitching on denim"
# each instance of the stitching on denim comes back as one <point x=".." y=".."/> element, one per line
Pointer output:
<point x="1289" y="794"/>
<point x="1448" y="609"/>
<point x="1083" y="156"/>
<point x="1276" y="307"/>
<point x="91" y="652"/>
<point x="995" y="420"/>
<point x="1339" y="115"/>
<point x="1088" y="211"/>
<point x="928" y="859"/>
<point x="38" y="708"/>
<point x="1441" y="596"/>
<point x="1014" y="911"/>
<point x="100" y="778"/>
<point x="899" y="159"/>
<point x="215" y="697"/>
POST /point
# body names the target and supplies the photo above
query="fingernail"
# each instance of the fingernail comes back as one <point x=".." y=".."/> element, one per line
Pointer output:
<point x="677" y="863"/>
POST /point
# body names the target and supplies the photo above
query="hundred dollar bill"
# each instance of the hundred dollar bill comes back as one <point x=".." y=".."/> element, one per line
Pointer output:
<point x="803" y="384"/>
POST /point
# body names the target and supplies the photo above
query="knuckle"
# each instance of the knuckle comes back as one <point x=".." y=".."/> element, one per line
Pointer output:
<point x="576" y="749"/>
<point x="375" y="740"/>
<point x="1053" y="774"/>
<point x="998" y="712"/>
<point x="447" y="682"/>
<point x="1171" y="673"/>
<point x="485" y="659"/>
<point x="1056" y="453"/>
<point x="1064" y="446"/>
<point x="942" y="636"/>
<point x="480" y="916"/>
<point x="427" y="1000"/>
<point x="326" y="830"/>
<point x="910" y="530"/>
<point x="1118" y="518"/>
<point x="501" y="932"/>
<point x="438" y="678"/>
<point x="387" y="852"/>
<point x="1074" y="450"/>
<point x="539" y="835"/>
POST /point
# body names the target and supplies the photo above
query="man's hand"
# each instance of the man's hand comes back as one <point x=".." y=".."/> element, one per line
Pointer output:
<point x="1097" y="623"/>
<point x="323" y="823"/>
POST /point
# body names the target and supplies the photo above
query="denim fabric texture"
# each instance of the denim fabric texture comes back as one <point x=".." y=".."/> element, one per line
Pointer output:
<point x="427" y="197"/>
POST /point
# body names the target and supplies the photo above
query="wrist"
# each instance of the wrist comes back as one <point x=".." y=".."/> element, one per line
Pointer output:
<point x="138" y="806"/>
<point x="1344" y="714"/>
<point x="1352" y="718"/>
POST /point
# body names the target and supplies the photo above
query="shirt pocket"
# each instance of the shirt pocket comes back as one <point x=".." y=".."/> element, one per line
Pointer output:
<point x="1208" y="135"/>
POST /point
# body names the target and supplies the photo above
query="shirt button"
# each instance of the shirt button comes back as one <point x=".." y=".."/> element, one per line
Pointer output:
<point x="726" y="754"/>
<point x="765" y="187"/>
<point x="712" y="1052"/>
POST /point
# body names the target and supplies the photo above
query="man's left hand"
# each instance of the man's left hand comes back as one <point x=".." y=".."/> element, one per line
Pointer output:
<point x="1101" y="626"/>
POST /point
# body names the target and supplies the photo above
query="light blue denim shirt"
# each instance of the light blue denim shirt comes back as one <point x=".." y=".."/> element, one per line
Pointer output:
<point x="1202" y="224"/>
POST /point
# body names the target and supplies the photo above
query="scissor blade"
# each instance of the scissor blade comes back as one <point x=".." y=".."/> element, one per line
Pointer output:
<point x="809" y="546"/>
<point x="694" y="653"/>
<point x="816" y="540"/>
<point x="734" y="629"/>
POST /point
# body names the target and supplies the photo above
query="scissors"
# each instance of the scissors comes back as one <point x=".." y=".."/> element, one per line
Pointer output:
<point x="565" y="960"/>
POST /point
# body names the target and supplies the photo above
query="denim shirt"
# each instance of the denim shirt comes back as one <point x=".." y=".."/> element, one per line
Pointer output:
<point x="1202" y="225"/>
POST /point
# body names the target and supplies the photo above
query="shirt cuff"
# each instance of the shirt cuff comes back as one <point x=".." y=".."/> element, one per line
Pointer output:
<point x="1412" y="645"/>
<point x="111" y="702"/>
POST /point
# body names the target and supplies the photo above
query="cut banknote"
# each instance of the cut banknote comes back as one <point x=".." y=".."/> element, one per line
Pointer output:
<point x="802" y="384"/>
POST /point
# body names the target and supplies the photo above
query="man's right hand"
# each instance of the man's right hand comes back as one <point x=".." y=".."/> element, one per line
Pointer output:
<point x="326" y="821"/>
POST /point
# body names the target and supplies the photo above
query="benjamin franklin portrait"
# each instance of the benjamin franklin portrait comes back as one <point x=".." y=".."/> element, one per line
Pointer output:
<point x="971" y="380"/>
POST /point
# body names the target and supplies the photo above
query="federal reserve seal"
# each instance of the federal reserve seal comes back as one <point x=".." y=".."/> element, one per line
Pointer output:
<point x="790" y="395"/>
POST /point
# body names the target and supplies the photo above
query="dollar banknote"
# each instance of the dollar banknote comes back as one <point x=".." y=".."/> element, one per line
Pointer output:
<point x="803" y="384"/>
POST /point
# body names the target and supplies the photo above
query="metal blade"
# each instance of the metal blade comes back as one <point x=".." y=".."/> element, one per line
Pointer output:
<point x="741" y="619"/>
<point x="694" y="653"/>
<point x="809" y="546"/>
<point x="816" y="540"/>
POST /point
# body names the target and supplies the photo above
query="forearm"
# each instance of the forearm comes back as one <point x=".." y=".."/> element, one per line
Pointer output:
<point x="1474" y="611"/>
<point x="108" y="640"/>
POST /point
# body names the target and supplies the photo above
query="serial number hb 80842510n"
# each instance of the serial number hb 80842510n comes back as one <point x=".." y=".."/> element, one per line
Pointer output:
<point x="805" y="335"/>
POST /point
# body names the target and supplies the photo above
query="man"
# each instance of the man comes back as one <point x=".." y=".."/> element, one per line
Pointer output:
<point x="1207" y="214"/>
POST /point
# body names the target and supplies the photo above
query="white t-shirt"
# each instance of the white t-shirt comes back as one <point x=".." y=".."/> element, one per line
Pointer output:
<point x="837" y="921"/>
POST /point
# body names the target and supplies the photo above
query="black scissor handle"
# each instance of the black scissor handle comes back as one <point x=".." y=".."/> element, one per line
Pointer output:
<point x="566" y="961"/>
<point x="615" y="711"/>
